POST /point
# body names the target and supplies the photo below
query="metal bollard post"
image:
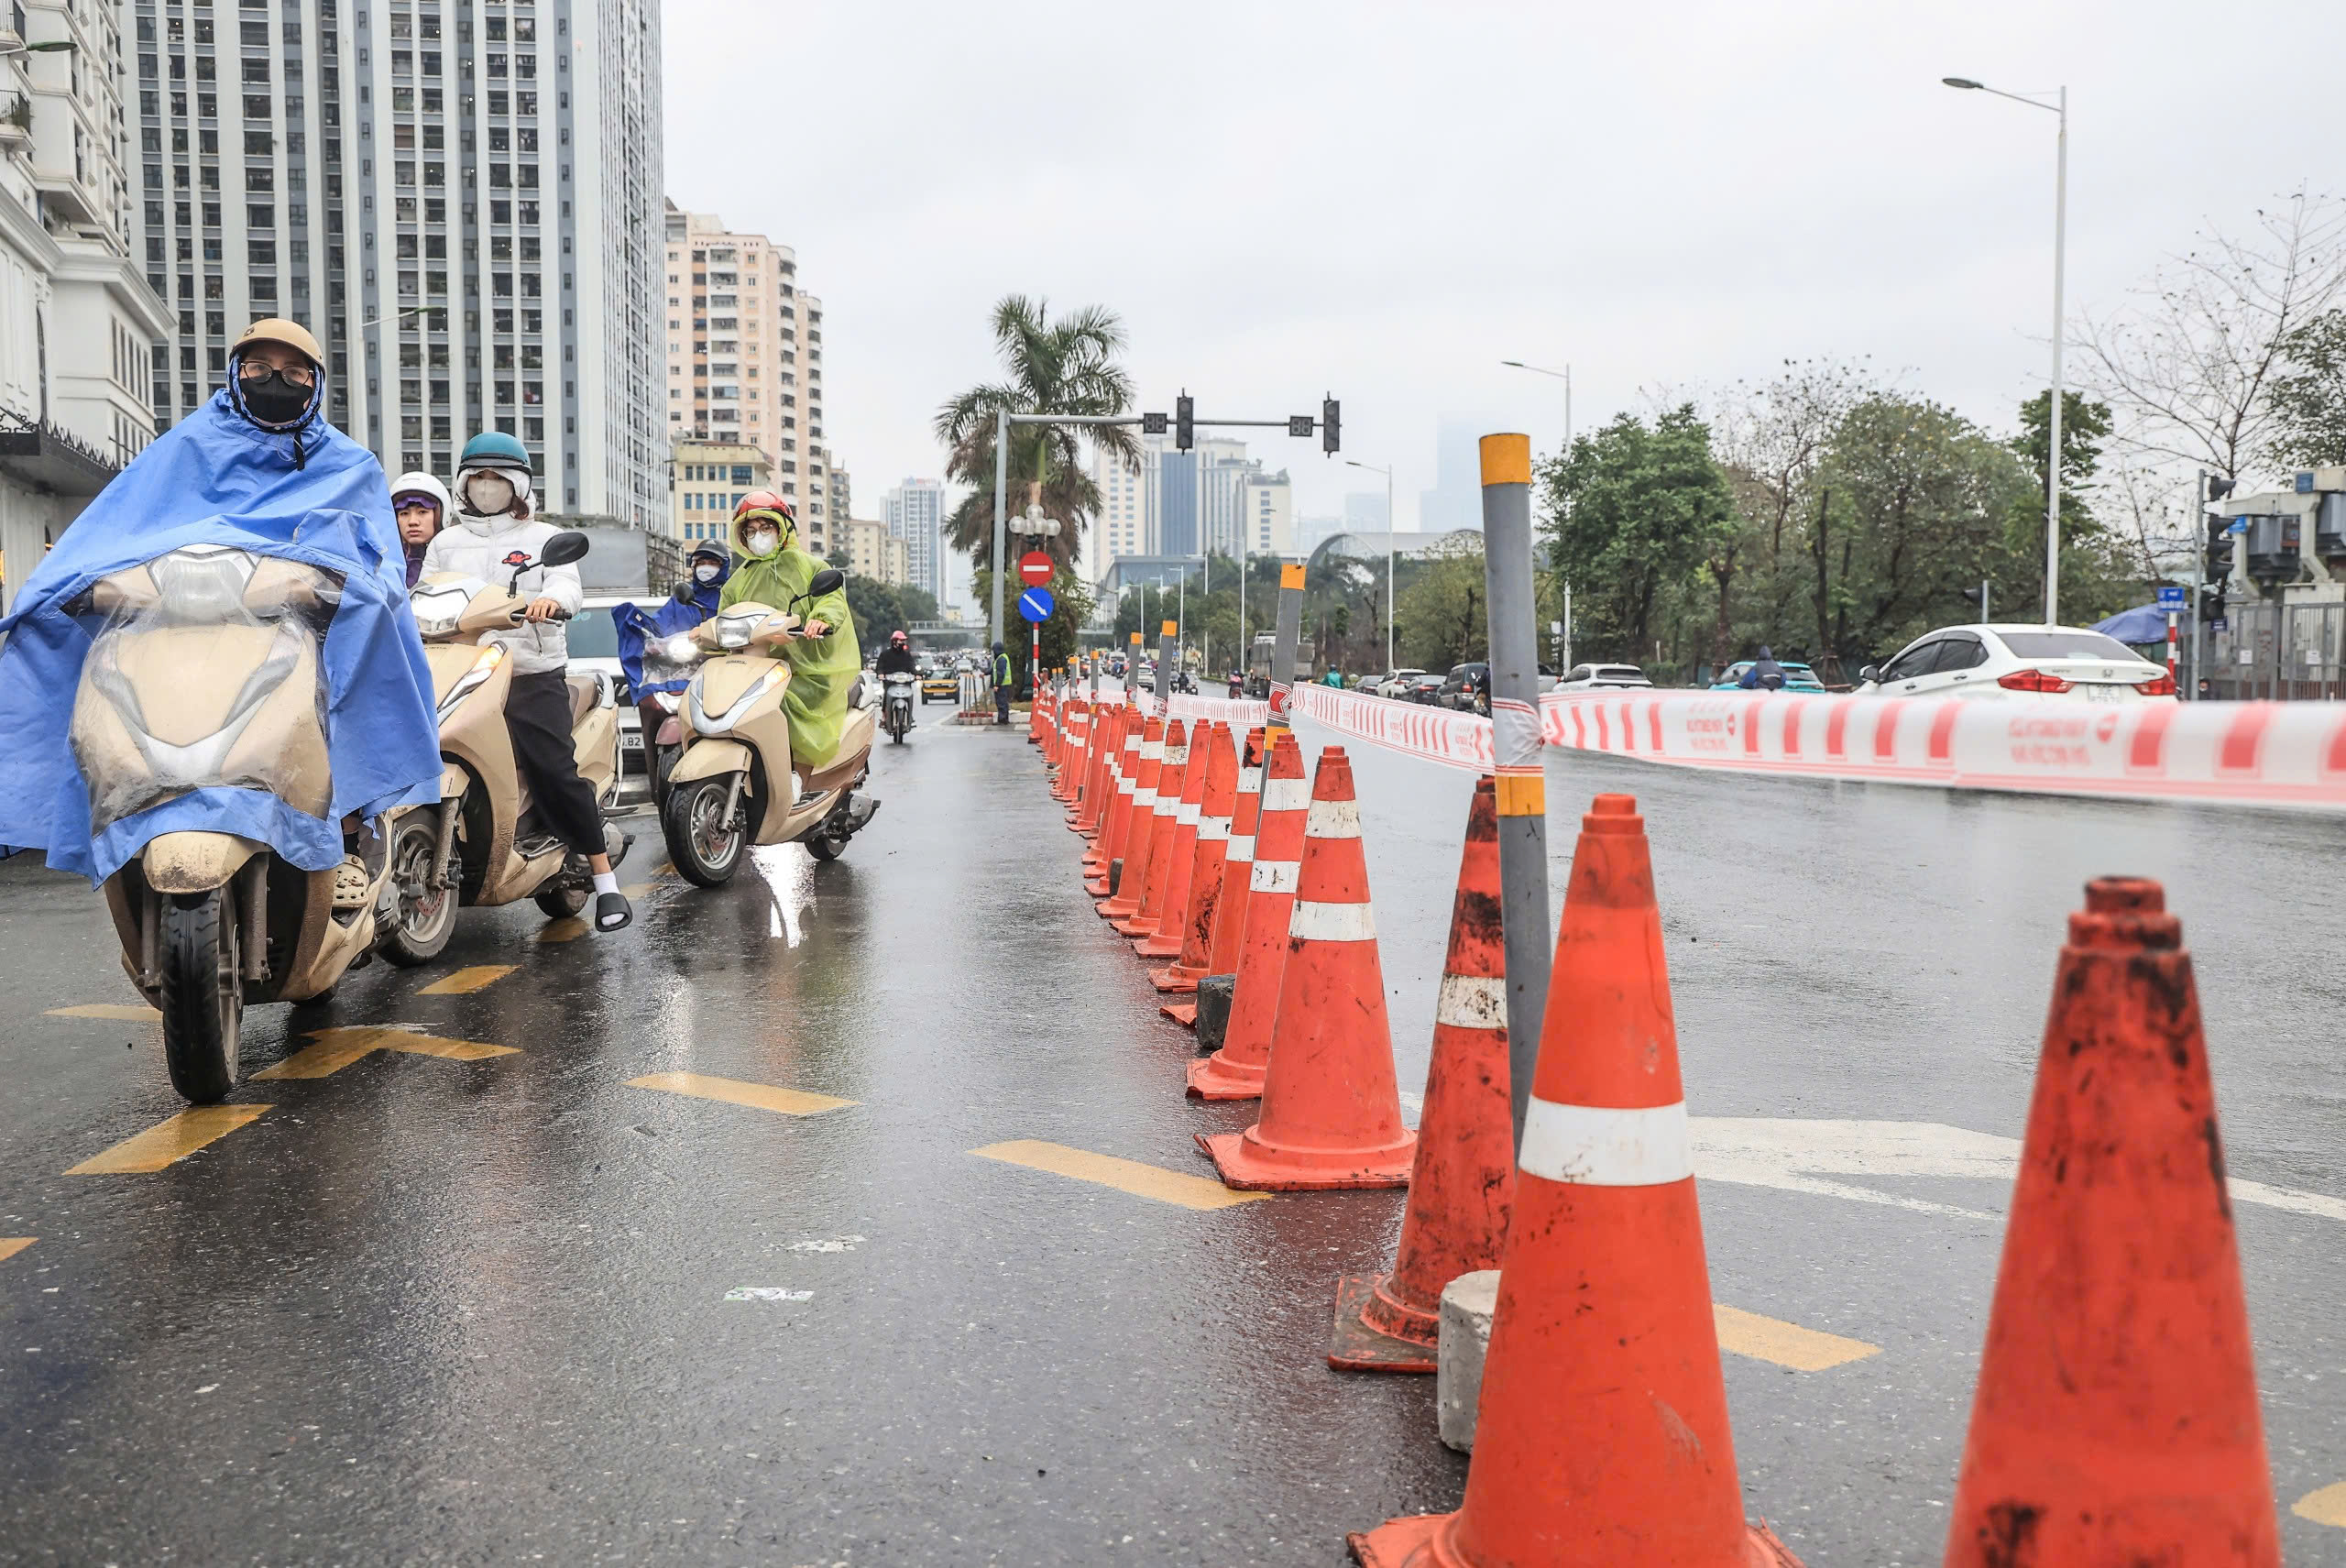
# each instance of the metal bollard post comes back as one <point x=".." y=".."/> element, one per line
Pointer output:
<point x="1285" y="640"/>
<point x="1165" y="635"/>
<point x="1515" y="744"/>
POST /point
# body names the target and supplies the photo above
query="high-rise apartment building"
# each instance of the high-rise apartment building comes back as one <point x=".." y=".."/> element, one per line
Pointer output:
<point x="712" y="478"/>
<point x="461" y="198"/>
<point x="914" y="513"/>
<point x="745" y="359"/>
<point x="1127" y="522"/>
<point x="874" y="553"/>
<point x="1265" y="505"/>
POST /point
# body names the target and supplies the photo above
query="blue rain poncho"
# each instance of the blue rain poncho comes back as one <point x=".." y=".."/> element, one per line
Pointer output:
<point x="639" y="628"/>
<point x="310" y="494"/>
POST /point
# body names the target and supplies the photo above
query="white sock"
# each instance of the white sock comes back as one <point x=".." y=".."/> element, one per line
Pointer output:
<point x="607" y="881"/>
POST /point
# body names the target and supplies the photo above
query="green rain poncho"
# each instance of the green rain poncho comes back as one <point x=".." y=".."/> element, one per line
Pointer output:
<point x="821" y="670"/>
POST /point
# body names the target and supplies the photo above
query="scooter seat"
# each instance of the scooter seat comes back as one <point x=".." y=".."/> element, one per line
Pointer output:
<point x="584" y="694"/>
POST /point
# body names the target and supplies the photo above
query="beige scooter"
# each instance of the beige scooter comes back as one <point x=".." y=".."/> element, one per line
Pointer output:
<point x="737" y="784"/>
<point x="206" y="673"/>
<point x="478" y="856"/>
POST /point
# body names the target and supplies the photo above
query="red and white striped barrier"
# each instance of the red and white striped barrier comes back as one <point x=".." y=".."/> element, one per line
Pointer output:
<point x="1241" y="716"/>
<point x="2256" y="753"/>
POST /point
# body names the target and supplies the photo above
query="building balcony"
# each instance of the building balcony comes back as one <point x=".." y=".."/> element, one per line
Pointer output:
<point x="37" y="454"/>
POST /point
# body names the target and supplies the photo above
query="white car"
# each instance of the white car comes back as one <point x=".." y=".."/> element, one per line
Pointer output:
<point x="594" y="640"/>
<point x="1395" y="683"/>
<point x="1602" y="677"/>
<point x="2018" y="661"/>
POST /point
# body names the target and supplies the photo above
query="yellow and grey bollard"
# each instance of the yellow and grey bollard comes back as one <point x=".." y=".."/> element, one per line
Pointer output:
<point x="1516" y="747"/>
<point x="1165" y="656"/>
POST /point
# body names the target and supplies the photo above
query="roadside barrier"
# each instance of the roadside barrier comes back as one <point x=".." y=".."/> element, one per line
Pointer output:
<point x="2116" y="1417"/>
<point x="1196" y="928"/>
<point x="1601" y="1438"/>
<point x="1331" y="1112"/>
<point x="1208" y="743"/>
<point x="1145" y="873"/>
<point x="1430" y="734"/>
<point x="1238" y="715"/>
<point x="1235" y="1071"/>
<point x="1465" y="1178"/>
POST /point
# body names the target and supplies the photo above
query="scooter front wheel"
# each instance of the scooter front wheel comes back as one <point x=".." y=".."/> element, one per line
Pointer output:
<point x="702" y="845"/>
<point x="202" y="993"/>
<point x="427" y="916"/>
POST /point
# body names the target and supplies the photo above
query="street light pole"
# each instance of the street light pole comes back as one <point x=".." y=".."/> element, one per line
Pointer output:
<point x="2059" y="107"/>
<point x="1389" y="664"/>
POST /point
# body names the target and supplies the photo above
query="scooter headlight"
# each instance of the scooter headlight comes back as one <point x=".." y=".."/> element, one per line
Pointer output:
<point x="438" y="610"/>
<point x="485" y="665"/>
<point x="681" y="648"/>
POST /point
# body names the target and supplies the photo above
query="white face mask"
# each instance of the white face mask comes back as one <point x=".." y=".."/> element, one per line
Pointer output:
<point x="489" y="494"/>
<point x="763" y="543"/>
<point x="705" y="574"/>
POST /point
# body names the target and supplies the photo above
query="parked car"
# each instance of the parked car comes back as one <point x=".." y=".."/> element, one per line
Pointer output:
<point x="1602" y="677"/>
<point x="1467" y="688"/>
<point x="1394" y="682"/>
<point x="1798" y="677"/>
<point x="594" y="640"/>
<point x="2018" y="661"/>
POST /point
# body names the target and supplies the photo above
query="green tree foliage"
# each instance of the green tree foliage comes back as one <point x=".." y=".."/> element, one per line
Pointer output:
<point x="877" y="609"/>
<point x="1633" y="511"/>
<point x="2310" y="395"/>
<point x="2096" y="578"/>
<point x="1445" y="610"/>
<point x="1072" y="365"/>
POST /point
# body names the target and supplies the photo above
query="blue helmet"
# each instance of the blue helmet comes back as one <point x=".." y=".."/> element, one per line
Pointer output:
<point x="494" y="449"/>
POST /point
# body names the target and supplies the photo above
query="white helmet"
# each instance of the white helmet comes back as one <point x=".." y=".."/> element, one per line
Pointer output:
<point x="425" y="485"/>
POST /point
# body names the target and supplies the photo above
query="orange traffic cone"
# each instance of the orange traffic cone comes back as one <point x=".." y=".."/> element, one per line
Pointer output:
<point x="2116" y="1417"/>
<point x="1235" y="1071"/>
<point x="1195" y="929"/>
<point x="1153" y="835"/>
<point x="1332" y="1113"/>
<point x="1038" y="710"/>
<point x="1161" y="937"/>
<point x="1228" y="916"/>
<point x="1144" y="745"/>
<point x="1465" y="1178"/>
<point x="1071" y="729"/>
<point x="1602" y="1437"/>
<point x="1099" y="774"/>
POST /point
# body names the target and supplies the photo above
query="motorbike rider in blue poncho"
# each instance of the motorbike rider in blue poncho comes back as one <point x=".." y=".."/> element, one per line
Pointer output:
<point x="693" y="601"/>
<point x="257" y="469"/>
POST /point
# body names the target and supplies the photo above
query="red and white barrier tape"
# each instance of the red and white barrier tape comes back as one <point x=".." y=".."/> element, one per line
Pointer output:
<point x="1241" y="716"/>
<point x="2288" y="754"/>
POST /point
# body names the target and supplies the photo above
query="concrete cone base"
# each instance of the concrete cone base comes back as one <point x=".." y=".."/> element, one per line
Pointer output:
<point x="1182" y="1013"/>
<point x="1171" y="980"/>
<point x="1248" y="1165"/>
<point x="1357" y="1346"/>
<point x="1425" y="1540"/>
<point x="1215" y="1079"/>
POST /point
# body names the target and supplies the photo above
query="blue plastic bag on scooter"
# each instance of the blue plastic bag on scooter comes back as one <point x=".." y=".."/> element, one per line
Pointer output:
<point x="309" y="495"/>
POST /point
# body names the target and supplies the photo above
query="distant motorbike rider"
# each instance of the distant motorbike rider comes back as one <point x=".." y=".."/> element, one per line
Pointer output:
<point x="419" y="503"/>
<point x="496" y="531"/>
<point x="824" y="658"/>
<point x="896" y="658"/>
<point x="1765" y="673"/>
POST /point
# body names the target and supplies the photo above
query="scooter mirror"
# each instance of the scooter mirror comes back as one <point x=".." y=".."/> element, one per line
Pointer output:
<point x="682" y="592"/>
<point x="827" y="581"/>
<point x="563" y="548"/>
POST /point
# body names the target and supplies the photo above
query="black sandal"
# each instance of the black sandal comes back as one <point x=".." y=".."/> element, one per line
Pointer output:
<point x="612" y="912"/>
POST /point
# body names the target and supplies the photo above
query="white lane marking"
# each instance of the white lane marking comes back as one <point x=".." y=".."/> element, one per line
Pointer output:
<point x="767" y="1293"/>
<point x="1602" y="1146"/>
<point x="1793" y="1154"/>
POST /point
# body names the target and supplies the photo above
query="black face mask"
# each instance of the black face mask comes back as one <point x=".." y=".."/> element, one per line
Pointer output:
<point x="274" y="398"/>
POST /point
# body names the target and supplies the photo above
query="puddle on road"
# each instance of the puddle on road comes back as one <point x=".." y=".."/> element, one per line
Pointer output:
<point x="789" y="874"/>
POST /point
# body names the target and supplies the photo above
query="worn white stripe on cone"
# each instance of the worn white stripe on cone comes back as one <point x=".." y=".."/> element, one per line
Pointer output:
<point x="1242" y="846"/>
<point x="1250" y="781"/>
<point x="1146" y="797"/>
<point x="1213" y="831"/>
<point x="1187" y="816"/>
<point x="1152" y="750"/>
<point x="1286" y="795"/>
<point x="1332" y="922"/>
<point x="1275" y="876"/>
<point x="1332" y="819"/>
<point x="1596" y="1146"/>
<point x="1471" y="1001"/>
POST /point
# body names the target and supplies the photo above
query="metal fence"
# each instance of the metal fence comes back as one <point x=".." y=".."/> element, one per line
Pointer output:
<point x="2281" y="653"/>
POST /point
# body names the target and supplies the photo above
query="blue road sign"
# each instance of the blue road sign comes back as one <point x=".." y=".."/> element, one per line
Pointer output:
<point x="2171" y="598"/>
<point x="2240" y="525"/>
<point x="1036" y="604"/>
<point x="2220" y="624"/>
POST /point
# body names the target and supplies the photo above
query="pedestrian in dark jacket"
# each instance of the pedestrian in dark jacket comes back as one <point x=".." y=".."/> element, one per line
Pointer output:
<point x="1001" y="685"/>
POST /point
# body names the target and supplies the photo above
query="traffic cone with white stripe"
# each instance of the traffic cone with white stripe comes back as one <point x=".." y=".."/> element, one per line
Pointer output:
<point x="1071" y="740"/>
<point x="1144" y="744"/>
<point x="1162" y="938"/>
<point x="1331" y="1112"/>
<point x="1145" y="861"/>
<point x="1602" y="1437"/>
<point x="1099" y="770"/>
<point x="1465" y="1178"/>
<point x="1193" y="931"/>
<point x="1038" y="710"/>
<point x="1235" y="1071"/>
<point x="2116" y="1417"/>
<point x="1229" y="914"/>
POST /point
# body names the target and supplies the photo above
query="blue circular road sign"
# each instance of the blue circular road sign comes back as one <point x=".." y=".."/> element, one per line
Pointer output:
<point x="1036" y="604"/>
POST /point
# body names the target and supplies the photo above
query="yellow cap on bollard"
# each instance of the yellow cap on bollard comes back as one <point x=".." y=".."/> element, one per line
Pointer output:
<point x="1507" y="459"/>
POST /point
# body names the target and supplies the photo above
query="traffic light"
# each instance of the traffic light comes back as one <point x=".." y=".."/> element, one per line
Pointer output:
<point x="2219" y="552"/>
<point x="1151" y="424"/>
<point x="1185" y="422"/>
<point x="1331" y="426"/>
<point x="2212" y="602"/>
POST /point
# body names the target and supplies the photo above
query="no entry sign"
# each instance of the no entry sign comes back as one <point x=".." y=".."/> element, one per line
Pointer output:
<point x="1035" y="569"/>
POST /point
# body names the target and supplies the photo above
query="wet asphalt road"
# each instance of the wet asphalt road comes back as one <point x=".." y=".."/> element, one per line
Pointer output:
<point x="475" y="1311"/>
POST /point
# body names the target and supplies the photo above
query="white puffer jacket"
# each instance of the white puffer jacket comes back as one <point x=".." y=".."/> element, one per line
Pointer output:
<point x="489" y="548"/>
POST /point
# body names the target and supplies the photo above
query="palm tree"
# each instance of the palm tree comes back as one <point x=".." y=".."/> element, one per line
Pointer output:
<point x="1068" y="367"/>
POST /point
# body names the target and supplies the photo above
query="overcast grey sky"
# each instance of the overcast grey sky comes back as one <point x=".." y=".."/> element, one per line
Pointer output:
<point x="1386" y="200"/>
